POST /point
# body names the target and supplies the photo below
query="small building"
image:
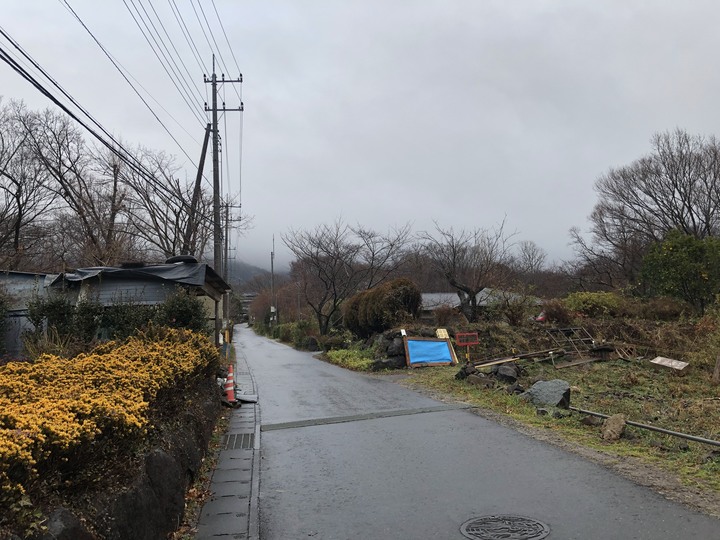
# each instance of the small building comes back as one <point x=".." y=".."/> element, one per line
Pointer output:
<point x="20" y="288"/>
<point x="144" y="284"/>
<point x="136" y="283"/>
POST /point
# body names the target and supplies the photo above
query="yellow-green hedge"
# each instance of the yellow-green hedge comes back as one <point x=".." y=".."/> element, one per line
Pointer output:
<point x="55" y="406"/>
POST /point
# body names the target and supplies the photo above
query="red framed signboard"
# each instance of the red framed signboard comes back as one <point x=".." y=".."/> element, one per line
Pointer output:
<point x="467" y="339"/>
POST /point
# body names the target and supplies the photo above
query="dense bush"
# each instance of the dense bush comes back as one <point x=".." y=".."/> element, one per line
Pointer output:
<point x="183" y="309"/>
<point x="382" y="307"/>
<point x="557" y="313"/>
<point x="305" y="334"/>
<point x="446" y="315"/>
<point x="335" y="341"/>
<point x="594" y="304"/>
<point x="123" y="318"/>
<point x="663" y="308"/>
<point x="356" y="359"/>
<point x="285" y="332"/>
<point x="75" y="327"/>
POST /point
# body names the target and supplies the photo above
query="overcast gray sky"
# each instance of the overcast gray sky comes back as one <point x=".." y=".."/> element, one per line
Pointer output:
<point x="383" y="112"/>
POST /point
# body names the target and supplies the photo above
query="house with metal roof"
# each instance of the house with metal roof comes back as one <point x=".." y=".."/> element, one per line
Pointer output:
<point x="136" y="283"/>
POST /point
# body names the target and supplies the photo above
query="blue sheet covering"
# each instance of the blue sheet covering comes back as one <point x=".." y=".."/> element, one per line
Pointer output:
<point x="422" y="351"/>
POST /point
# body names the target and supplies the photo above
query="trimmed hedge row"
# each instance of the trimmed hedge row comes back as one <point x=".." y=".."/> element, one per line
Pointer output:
<point x="57" y="413"/>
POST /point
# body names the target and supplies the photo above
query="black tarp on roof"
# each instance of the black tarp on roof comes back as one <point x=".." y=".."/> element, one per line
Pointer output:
<point x="183" y="273"/>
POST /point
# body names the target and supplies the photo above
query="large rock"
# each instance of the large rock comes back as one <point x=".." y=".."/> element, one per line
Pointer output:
<point x="613" y="427"/>
<point x="555" y="393"/>
<point x="391" y="362"/>
<point x="508" y="373"/>
<point x="63" y="525"/>
<point x="396" y="347"/>
<point x="479" y="379"/>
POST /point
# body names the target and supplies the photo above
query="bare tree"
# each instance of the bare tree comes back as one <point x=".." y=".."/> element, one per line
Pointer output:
<point x="88" y="183"/>
<point x="24" y="196"/>
<point x="333" y="262"/>
<point x="470" y="260"/>
<point x="530" y="258"/>
<point x="675" y="187"/>
<point x="159" y="210"/>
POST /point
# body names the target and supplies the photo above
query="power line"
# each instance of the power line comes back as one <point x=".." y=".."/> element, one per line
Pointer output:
<point x="222" y="60"/>
<point x="128" y="159"/>
<point x="182" y="94"/>
<point x="226" y="37"/>
<point x="114" y="146"/>
<point x="202" y="28"/>
<point x="123" y="72"/>
<point x="212" y="35"/>
<point x="174" y="48"/>
<point x="186" y="34"/>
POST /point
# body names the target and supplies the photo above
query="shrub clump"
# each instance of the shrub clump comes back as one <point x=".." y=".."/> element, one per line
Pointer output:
<point x="594" y="304"/>
<point x="556" y="312"/>
<point x="382" y="307"/>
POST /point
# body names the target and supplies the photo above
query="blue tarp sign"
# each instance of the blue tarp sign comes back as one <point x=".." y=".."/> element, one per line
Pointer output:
<point x="428" y="352"/>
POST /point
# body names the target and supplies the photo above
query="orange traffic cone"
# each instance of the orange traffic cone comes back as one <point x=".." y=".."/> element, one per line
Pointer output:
<point x="229" y="386"/>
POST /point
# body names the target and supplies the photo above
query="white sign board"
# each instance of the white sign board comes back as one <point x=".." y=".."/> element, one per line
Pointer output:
<point x="669" y="363"/>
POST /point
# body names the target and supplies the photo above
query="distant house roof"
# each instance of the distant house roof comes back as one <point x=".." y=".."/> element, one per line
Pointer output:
<point x="432" y="301"/>
<point x="181" y="273"/>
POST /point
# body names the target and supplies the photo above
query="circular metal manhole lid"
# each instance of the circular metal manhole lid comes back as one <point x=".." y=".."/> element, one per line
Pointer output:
<point x="504" y="528"/>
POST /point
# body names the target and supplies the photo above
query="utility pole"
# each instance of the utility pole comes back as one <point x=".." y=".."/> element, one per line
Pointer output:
<point x="196" y="197"/>
<point x="217" y="229"/>
<point x="226" y="297"/>
<point x="273" y="308"/>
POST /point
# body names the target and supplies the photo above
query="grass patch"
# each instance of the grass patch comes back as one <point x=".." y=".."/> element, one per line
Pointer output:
<point x="355" y="358"/>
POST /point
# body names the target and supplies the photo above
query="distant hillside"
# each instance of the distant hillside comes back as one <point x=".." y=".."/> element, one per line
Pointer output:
<point x="240" y="272"/>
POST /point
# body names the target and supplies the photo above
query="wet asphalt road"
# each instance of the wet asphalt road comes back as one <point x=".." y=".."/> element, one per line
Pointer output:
<point x="422" y="474"/>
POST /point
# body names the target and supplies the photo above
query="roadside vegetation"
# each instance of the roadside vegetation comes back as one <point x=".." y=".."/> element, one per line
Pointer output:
<point x="77" y="413"/>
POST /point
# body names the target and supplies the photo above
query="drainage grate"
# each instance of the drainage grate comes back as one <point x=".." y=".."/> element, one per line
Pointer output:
<point x="238" y="441"/>
<point x="504" y="528"/>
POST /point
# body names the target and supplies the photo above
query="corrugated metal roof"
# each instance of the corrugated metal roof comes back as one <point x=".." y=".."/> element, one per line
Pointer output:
<point x="181" y="273"/>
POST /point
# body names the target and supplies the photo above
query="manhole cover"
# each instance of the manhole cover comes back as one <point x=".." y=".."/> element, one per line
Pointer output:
<point x="504" y="528"/>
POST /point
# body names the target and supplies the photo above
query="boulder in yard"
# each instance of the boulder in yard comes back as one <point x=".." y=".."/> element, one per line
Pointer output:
<point x="555" y="393"/>
<point x="479" y="379"/>
<point x="396" y="347"/>
<point x="613" y="427"/>
<point x="506" y="372"/>
<point x="514" y="388"/>
<point x="391" y="362"/>
<point x="591" y="421"/>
